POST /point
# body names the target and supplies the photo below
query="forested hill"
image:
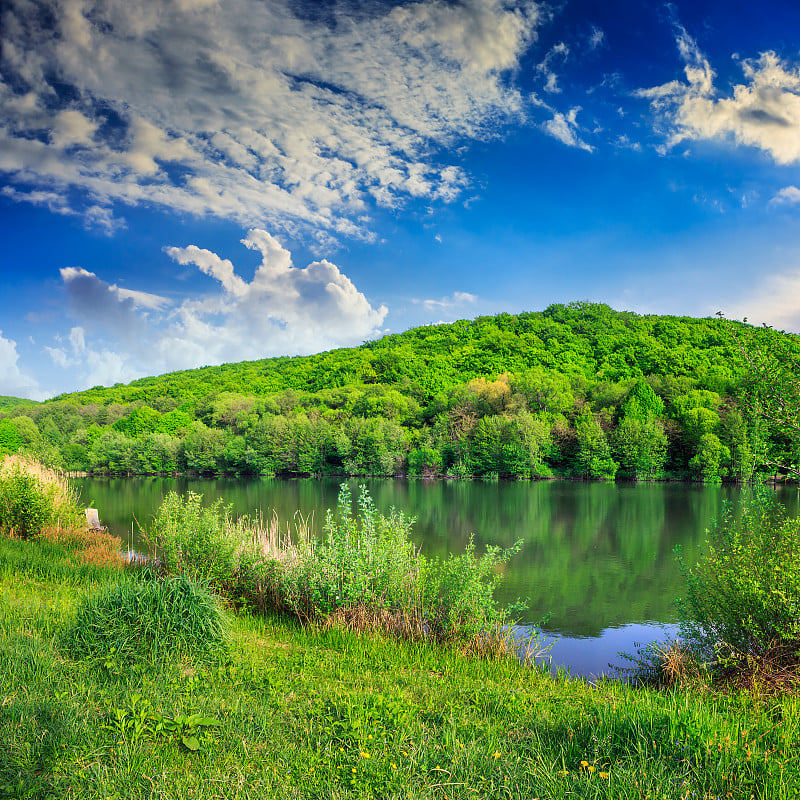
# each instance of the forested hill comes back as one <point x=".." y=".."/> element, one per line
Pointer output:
<point x="7" y="402"/>
<point x="577" y="389"/>
<point x="580" y="339"/>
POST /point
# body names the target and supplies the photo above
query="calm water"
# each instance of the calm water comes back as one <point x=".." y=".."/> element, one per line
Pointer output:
<point x="598" y="558"/>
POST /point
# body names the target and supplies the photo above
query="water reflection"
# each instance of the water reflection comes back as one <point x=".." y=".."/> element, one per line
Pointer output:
<point x="597" y="558"/>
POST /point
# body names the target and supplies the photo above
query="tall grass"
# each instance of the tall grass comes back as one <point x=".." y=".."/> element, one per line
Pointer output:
<point x="150" y="620"/>
<point x="363" y="571"/>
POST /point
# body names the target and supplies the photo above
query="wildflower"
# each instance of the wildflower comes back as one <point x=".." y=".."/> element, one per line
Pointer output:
<point x="497" y="755"/>
<point x="590" y="768"/>
<point x="603" y="775"/>
<point x="364" y="755"/>
<point x="563" y="772"/>
<point x="584" y="764"/>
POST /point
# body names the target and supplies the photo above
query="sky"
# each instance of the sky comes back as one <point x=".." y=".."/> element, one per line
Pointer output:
<point x="194" y="182"/>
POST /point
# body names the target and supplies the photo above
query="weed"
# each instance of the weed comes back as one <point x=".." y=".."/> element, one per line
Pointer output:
<point x="364" y="572"/>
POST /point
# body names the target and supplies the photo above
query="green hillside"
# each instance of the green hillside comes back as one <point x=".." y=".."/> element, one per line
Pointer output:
<point x="576" y="389"/>
<point x="585" y="339"/>
<point x="7" y="402"/>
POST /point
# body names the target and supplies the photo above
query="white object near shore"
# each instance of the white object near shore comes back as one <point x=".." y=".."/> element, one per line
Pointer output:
<point x="93" y="519"/>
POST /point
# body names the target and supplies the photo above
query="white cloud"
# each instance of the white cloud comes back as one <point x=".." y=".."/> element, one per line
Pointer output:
<point x="564" y="127"/>
<point x="558" y="52"/>
<point x="455" y="300"/>
<point x="774" y="301"/>
<point x="14" y="382"/>
<point x="596" y="38"/>
<point x="763" y="112"/>
<point x="248" y="110"/>
<point x="283" y="310"/>
<point x="787" y="195"/>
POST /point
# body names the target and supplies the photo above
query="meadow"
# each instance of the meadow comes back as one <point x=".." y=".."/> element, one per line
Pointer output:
<point x="126" y="682"/>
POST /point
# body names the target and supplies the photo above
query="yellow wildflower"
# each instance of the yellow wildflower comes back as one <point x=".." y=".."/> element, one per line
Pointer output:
<point x="603" y="774"/>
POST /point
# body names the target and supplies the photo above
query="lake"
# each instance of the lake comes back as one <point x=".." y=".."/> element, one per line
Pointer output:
<point x="598" y="558"/>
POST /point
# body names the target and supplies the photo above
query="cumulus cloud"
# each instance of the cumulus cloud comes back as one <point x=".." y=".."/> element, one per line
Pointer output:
<point x="787" y="195"/>
<point x="98" y="304"/>
<point x="284" y="310"/>
<point x="13" y="381"/>
<point x="92" y="366"/>
<point x="250" y="110"/>
<point x="762" y="112"/>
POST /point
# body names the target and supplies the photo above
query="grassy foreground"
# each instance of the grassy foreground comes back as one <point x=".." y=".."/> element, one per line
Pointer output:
<point x="295" y="712"/>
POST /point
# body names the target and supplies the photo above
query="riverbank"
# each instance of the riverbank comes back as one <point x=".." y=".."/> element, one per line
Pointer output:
<point x="301" y="712"/>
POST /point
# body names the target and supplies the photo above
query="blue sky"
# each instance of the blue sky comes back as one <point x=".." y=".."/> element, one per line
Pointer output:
<point x="190" y="182"/>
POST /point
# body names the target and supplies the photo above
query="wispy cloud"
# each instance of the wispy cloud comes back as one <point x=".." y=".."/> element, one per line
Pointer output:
<point x="763" y="112"/>
<point x="252" y="110"/>
<point x="566" y="129"/>
<point x="453" y="301"/>
<point x="546" y="69"/>
<point x="122" y="334"/>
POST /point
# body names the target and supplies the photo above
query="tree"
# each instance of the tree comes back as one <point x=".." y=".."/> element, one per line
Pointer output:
<point x="10" y="440"/>
<point x="593" y="458"/>
<point x="640" y="446"/>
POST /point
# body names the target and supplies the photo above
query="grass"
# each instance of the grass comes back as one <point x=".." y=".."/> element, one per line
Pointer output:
<point x="299" y="712"/>
<point x="146" y="620"/>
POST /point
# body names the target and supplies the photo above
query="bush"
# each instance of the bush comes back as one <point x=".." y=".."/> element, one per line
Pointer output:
<point x="459" y="592"/>
<point x="743" y="596"/>
<point x="149" y="620"/>
<point x="365" y="567"/>
<point x="32" y="498"/>
<point x="367" y="559"/>
<point x="202" y="542"/>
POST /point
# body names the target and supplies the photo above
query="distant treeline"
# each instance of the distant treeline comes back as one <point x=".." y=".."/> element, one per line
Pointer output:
<point x="576" y="390"/>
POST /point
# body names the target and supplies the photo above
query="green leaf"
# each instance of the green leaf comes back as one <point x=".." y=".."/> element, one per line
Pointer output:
<point x="191" y="743"/>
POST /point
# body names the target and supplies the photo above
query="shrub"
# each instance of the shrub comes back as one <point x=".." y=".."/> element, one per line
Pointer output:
<point x="33" y="497"/>
<point x="149" y="620"/>
<point x="200" y="541"/>
<point x="743" y="596"/>
<point x="367" y="559"/>
<point x="365" y="567"/>
<point x="459" y="592"/>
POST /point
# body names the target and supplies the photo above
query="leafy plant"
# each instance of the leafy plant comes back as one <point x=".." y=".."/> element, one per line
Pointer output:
<point x="743" y="595"/>
<point x="137" y="721"/>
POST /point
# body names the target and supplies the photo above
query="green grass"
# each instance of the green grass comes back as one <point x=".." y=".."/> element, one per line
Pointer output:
<point x="298" y="712"/>
<point x="146" y="620"/>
